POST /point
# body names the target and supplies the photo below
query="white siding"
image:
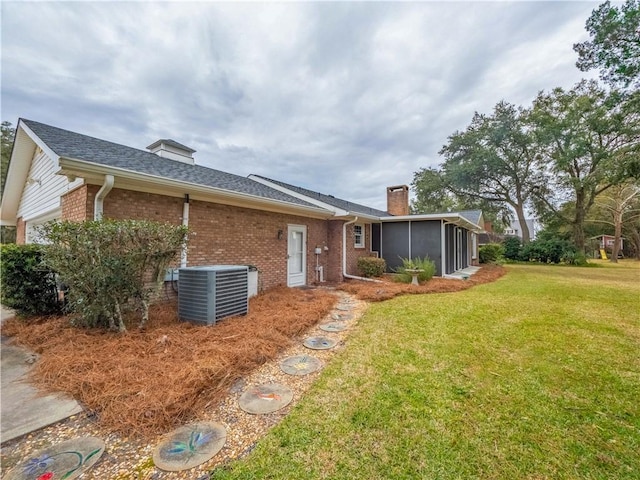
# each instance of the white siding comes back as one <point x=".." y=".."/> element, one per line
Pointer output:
<point x="42" y="191"/>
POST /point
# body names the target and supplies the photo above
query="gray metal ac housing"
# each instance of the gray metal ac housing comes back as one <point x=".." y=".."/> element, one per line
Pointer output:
<point x="210" y="293"/>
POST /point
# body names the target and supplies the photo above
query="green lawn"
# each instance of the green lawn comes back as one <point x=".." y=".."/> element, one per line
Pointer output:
<point x="534" y="376"/>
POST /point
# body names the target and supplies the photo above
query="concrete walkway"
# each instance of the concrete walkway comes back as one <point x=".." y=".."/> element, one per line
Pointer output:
<point x="23" y="408"/>
<point x="463" y="274"/>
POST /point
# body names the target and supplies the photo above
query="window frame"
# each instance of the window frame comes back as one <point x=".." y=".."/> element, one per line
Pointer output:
<point x="356" y="243"/>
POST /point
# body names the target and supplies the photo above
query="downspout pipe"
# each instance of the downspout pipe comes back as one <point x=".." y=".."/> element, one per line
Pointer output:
<point x="98" y="204"/>
<point x="185" y="222"/>
<point x="344" y="254"/>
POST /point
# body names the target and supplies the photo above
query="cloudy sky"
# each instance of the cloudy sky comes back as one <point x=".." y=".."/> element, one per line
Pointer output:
<point x="343" y="98"/>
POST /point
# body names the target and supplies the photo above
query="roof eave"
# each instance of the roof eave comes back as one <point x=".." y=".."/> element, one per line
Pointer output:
<point x="455" y="218"/>
<point x="78" y="167"/>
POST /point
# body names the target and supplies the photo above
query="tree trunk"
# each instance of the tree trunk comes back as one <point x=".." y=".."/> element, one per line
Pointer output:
<point x="578" y="224"/>
<point x="526" y="234"/>
<point x="617" y="224"/>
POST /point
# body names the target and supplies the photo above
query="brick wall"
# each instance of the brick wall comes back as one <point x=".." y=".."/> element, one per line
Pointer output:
<point x="234" y="235"/>
<point x="20" y="231"/>
<point x="129" y="204"/>
<point x="353" y="252"/>
<point x="223" y="234"/>
<point x="333" y="270"/>
<point x="398" y="200"/>
<point x="77" y="205"/>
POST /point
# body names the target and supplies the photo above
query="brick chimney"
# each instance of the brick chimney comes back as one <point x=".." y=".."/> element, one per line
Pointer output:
<point x="173" y="150"/>
<point x="398" y="200"/>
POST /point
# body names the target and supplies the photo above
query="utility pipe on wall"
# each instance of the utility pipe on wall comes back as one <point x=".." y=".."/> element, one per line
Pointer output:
<point x="185" y="222"/>
<point x="98" y="204"/>
<point x="344" y="254"/>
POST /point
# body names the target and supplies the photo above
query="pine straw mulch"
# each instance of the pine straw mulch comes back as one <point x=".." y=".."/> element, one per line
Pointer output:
<point x="387" y="288"/>
<point x="146" y="382"/>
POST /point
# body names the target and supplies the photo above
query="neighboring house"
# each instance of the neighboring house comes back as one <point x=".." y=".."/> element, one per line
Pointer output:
<point x="293" y="235"/>
<point x="515" y="229"/>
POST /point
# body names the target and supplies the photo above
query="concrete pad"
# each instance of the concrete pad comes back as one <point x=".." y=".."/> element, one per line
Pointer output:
<point x="189" y="446"/>
<point x="320" y="343"/>
<point x="333" y="326"/>
<point x="300" y="365"/>
<point x="23" y="408"/>
<point x="266" y="398"/>
<point x="66" y="460"/>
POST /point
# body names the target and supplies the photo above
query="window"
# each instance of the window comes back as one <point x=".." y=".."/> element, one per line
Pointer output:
<point x="358" y="236"/>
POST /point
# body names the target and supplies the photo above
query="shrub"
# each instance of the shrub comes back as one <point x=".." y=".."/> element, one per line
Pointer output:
<point x="371" y="266"/>
<point x="111" y="266"/>
<point x="512" y="247"/>
<point x="28" y="286"/>
<point x="491" y="253"/>
<point x="549" y="248"/>
<point x="427" y="266"/>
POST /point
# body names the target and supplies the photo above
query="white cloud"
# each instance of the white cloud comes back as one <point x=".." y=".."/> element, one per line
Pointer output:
<point x="343" y="98"/>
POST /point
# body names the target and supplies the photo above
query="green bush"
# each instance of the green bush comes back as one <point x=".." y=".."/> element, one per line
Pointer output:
<point x="491" y="253"/>
<point x="427" y="266"/>
<point x="111" y="266"/>
<point x="512" y="247"/>
<point x="28" y="286"/>
<point x="371" y="266"/>
<point x="550" y="248"/>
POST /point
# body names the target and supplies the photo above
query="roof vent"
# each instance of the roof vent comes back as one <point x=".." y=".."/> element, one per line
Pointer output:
<point x="167" y="148"/>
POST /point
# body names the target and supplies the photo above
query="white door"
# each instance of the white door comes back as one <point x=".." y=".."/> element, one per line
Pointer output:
<point x="297" y="256"/>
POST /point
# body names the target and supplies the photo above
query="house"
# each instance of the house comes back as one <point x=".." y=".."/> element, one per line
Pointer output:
<point x="514" y="229"/>
<point x="293" y="235"/>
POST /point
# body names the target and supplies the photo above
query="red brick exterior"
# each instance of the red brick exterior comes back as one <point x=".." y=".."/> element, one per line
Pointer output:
<point x="353" y="252"/>
<point x="398" y="200"/>
<point x="223" y="234"/>
<point x="77" y="205"/>
<point x="21" y="231"/>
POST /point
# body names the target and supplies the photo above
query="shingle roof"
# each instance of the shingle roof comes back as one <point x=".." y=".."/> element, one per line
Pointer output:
<point x="89" y="149"/>
<point x="473" y="216"/>
<point x="330" y="199"/>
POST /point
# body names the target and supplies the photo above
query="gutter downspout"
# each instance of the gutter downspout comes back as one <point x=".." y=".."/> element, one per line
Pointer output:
<point x="344" y="254"/>
<point x="98" y="204"/>
<point x="185" y="222"/>
<point x="443" y="249"/>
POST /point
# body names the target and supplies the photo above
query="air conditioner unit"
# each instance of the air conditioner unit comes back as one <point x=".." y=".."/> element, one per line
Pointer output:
<point x="208" y="294"/>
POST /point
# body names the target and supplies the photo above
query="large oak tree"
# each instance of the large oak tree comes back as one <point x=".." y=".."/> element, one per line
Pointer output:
<point x="614" y="47"/>
<point x="591" y="141"/>
<point x="494" y="160"/>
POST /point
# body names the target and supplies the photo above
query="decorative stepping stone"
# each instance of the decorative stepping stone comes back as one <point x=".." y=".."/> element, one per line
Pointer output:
<point x="189" y="446"/>
<point x="332" y="326"/>
<point x="341" y="316"/>
<point x="320" y="343"/>
<point x="64" y="460"/>
<point x="300" y="365"/>
<point x="344" y="308"/>
<point x="265" y="398"/>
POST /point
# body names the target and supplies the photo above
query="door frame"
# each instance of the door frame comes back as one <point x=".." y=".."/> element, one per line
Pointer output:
<point x="303" y="229"/>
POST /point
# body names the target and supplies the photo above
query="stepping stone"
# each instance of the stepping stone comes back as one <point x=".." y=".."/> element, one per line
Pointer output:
<point x="265" y="398"/>
<point x="189" y="446"/>
<point x="64" y="460"/>
<point x="341" y="316"/>
<point x="300" y="365"/>
<point x="332" y="326"/>
<point x="320" y="343"/>
<point x="344" y="308"/>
